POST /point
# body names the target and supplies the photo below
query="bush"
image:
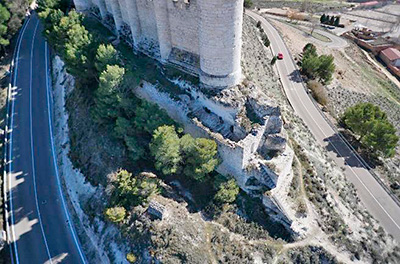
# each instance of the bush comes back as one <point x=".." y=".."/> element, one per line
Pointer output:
<point x="227" y="192"/>
<point x="115" y="214"/>
<point x="130" y="257"/>
<point x="132" y="191"/>
<point x="258" y="24"/>
<point x="318" y="92"/>
<point x="248" y="3"/>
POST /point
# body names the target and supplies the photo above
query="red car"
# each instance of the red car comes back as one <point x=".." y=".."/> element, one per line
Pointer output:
<point x="280" y="56"/>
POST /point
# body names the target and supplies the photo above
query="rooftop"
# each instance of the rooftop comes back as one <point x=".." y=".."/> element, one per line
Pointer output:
<point x="391" y="53"/>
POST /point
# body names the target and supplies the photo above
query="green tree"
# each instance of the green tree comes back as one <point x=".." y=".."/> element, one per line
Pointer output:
<point x="368" y="121"/>
<point x="382" y="138"/>
<point x="76" y="48"/>
<point x="132" y="191"/>
<point x="199" y="155"/>
<point x="135" y="147"/>
<point x="309" y="50"/>
<point x="17" y="9"/>
<point x="115" y="214"/>
<point x="332" y="20"/>
<point x="165" y="149"/>
<point x="227" y="192"/>
<point x="337" y="21"/>
<point x="248" y="3"/>
<point x="106" y="55"/>
<point x="108" y="95"/>
<point x="149" y="116"/>
<point x="310" y="65"/>
<point x="323" y="18"/>
<point x="328" y="18"/>
<point x="4" y="17"/>
<point x="326" y="68"/>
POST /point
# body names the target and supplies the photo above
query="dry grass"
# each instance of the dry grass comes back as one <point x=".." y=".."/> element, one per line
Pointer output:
<point x="318" y="92"/>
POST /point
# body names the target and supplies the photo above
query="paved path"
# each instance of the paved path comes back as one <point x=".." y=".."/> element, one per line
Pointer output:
<point x="39" y="227"/>
<point x="372" y="195"/>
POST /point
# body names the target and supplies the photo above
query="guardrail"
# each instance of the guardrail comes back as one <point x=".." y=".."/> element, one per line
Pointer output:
<point x="330" y="123"/>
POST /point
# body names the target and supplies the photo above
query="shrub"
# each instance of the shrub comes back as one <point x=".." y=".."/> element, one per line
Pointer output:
<point x="131" y="258"/>
<point x="132" y="191"/>
<point x="227" y="192"/>
<point x="318" y="92"/>
<point x="248" y="3"/>
<point x="258" y="24"/>
<point x="115" y="214"/>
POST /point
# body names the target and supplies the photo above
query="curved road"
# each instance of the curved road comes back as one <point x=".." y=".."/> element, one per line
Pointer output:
<point x="372" y="195"/>
<point x="38" y="224"/>
<point x="335" y="43"/>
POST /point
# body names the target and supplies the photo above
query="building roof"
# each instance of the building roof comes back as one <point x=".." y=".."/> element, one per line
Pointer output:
<point x="391" y="53"/>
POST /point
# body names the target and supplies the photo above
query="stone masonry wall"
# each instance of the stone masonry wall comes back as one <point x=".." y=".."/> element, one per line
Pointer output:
<point x="205" y="35"/>
<point x="184" y="25"/>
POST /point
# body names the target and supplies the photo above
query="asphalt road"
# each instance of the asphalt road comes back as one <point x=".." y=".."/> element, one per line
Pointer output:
<point x="335" y="43"/>
<point x="372" y="195"/>
<point x="38" y="222"/>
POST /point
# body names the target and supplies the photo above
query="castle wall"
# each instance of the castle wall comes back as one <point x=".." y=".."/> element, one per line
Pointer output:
<point x="220" y="40"/>
<point x="116" y="11"/>
<point x="163" y="29"/>
<point x="147" y="20"/>
<point x="184" y="25"/>
<point x="134" y="22"/>
<point x="124" y="11"/>
<point x="203" y="36"/>
<point x="102" y="7"/>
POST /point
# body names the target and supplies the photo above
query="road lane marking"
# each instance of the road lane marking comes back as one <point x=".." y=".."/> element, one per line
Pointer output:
<point x="351" y="169"/>
<point x="31" y="141"/>
<point x="10" y="146"/>
<point x="55" y="162"/>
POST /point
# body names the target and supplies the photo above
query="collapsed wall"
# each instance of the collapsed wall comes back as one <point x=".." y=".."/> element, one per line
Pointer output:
<point x="266" y="176"/>
<point x="203" y="37"/>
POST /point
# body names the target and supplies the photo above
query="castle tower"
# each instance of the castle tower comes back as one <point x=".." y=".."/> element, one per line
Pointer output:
<point x="220" y="39"/>
<point x="82" y="5"/>
<point x="163" y="30"/>
<point x="133" y="21"/>
<point x="102" y="7"/>
<point x="116" y="11"/>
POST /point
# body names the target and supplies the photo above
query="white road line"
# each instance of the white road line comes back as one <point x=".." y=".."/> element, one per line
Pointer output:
<point x="351" y="169"/>
<point x="32" y="152"/>
<point x="11" y="149"/>
<point x="55" y="162"/>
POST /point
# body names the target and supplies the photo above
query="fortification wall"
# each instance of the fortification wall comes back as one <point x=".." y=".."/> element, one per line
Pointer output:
<point x="203" y="36"/>
<point x="147" y="20"/>
<point x="184" y="25"/>
<point x="220" y="40"/>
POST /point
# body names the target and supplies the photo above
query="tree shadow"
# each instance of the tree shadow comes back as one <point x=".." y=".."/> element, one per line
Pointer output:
<point x="295" y="76"/>
<point x="342" y="150"/>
